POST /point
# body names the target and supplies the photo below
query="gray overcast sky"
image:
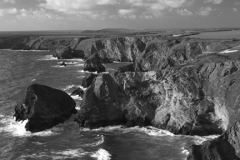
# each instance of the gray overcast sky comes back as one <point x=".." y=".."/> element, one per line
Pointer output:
<point x="134" y="14"/>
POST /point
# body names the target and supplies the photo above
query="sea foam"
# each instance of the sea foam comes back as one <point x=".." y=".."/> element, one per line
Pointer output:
<point x="17" y="129"/>
<point x="47" y="58"/>
<point x="101" y="154"/>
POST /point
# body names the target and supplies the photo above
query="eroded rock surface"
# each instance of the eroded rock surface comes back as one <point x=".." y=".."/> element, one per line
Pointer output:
<point x="225" y="147"/>
<point x="94" y="64"/>
<point x="200" y="98"/>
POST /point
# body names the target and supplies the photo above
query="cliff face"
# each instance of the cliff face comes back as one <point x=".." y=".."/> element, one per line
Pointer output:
<point x="200" y="98"/>
<point x="172" y="53"/>
<point x="226" y="147"/>
<point x="124" y="49"/>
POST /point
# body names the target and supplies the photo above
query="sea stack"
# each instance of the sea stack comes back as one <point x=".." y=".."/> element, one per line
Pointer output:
<point x="44" y="107"/>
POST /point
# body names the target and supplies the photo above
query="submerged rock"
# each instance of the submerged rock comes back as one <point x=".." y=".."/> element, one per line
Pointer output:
<point x="93" y="64"/>
<point x="63" y="64"/>
<point x="225" y="147"/>
<point x="44" y="107"/>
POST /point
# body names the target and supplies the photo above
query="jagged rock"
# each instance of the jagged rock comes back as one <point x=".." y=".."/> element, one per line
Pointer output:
<point x="225" y="147"/>
<point x="116" y="100"/>
<point x="196" y="99"/>
<point x="93" y="64"/>
<point x="127" y="68"/>
<point x="88" y="79"/>
<point x="200" y="99"/>
<point x="173" y="53"/>
<point x="78" y="92"/>
<point x="124" y="49"/>
<point x="63" y="53"/>
<point x="99" y="107"/>
<point x="44" y="107"/>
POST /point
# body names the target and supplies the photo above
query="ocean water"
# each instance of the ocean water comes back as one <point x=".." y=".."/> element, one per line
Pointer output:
<point x="19" y="69"/>
<point x="218" y="35"/>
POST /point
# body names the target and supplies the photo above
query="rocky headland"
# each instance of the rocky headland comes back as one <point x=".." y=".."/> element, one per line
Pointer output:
<point x="183" y="85"/>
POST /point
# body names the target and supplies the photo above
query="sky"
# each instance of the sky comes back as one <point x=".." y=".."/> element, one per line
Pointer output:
<point x="29" y="15"/>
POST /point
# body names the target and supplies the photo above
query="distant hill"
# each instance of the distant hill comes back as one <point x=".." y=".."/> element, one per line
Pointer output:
<point x="111" y="30"/>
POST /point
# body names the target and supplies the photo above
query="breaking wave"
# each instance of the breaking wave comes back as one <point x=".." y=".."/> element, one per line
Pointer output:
<point x="17" y="129"/>
<point x="101" y="154"/>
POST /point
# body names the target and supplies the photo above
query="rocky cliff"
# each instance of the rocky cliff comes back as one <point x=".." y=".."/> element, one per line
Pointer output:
<point x="197" y="98"/>
<point x="226" y="147"/>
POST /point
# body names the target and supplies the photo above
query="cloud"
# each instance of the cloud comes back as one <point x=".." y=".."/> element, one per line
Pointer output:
<point x="8" y="11"/>
<point x="237" y="3"/>
<point x="184" y="12"/>
<point x="113" y="8"/>
<point x="8" y="1"/>
<point x="213" y="1"/>
<point x="37" y="15"/>
<point x="235" y="9"/>
<point x="204" y="11"/>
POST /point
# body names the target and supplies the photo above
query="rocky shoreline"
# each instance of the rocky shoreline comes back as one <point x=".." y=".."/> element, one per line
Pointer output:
<point x="186" y="86"/>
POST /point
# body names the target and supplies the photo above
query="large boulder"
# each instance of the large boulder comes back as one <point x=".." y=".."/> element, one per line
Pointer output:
<point x="44" y="107"/>
<point x="225" y="147"/>
<point x="93" y="64"/>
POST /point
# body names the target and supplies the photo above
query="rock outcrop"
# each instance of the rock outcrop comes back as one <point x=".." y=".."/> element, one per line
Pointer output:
<point x="44" y="108"/>
<point x="176" y="52"/>
<point x="78" y="92"/>
<point x="94" y="64"/>
<point x="117" y="99"/>
<point x="225" y="147"/>
<point x="200" y="98"/>
<point x="124" y="49"/>
<point x="88" y="79"/>
<point x="63" y="53"/>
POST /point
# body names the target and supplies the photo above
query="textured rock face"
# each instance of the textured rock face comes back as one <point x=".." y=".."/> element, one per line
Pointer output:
<point x="44" y="107"/>
<point x="170" y="53"/>
<point x="88" y="79"/>
<point x="200" y="98"/>
<point x="63" y="53"/>
<point x="78" y="92"/>
<point x="225" y="147"/>
<point x="124" y="49"/>
<point x="94" y="64"/>
<point x="14" y="43"/>
<point x="117" y="99"/>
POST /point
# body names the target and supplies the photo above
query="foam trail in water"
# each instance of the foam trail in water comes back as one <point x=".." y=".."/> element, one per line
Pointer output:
<point x="17" y="129"/>
<point x="82" y="71"/>
<point x="71" y="153"/>
<point x="199" y="140"/>
<point x="99" y="142"/>
<point x="68" y="87"/>
<point x="76" y="97"/>
<point x="47" y="58"/>
<point x="101" y="154"/>
<point x="184" y="151"/>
